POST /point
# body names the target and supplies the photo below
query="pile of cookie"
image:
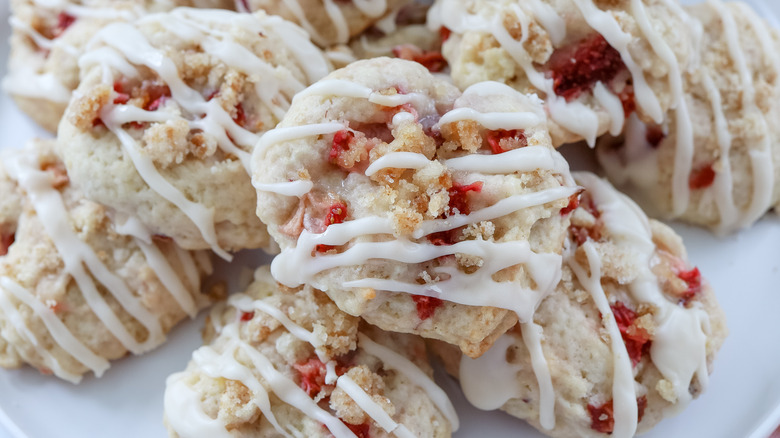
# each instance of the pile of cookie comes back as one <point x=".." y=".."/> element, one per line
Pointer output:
<point x="399" y="160"/>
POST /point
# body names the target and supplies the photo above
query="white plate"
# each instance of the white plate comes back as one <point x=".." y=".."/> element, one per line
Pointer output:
<point x="743" y="399"/>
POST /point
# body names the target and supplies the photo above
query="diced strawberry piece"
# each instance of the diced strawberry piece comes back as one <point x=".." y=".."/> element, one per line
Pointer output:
<point x="576" y="69"/>
<point x="432" y="60"/>
<point x="574" y="202"/>
<point x="459" y="197"/>
<point x="64" y="21"/>
<point x="443" y="238"/>
<point x="155" y="95"/>
<point x="601" y="417"/>
<point x="360" y="430"/>
<point x="627" y="100"/>
<point x="426" y="306"/>
<point x="341" y="141"/>
<point x="247" y="316"/>
<point x="240" y="117"/>
<point x="641" y="404"/>
<point x="122" y="97"/>
<point x="636" y="339"/>
<point x="336" y="213"/>
<point x="444" y="33"/>
<point x="701" y="178"/>
<point x="516" y="138"/>
<point x="312" y="374"/>
<point x="692" y="278"/>
<point x="654" y="135"/>
<point x="6" y="240"/>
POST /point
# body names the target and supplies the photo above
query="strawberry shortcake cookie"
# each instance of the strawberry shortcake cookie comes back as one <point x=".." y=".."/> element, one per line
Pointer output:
<point x="288" y="362"/>
<point x="169" y="110"/>
<point x="718" y="165"/>
<point x="416" y="207"/>
<point x="593" y="62"/>
<point x="46" y="42"/>
<point x="628" y="336"/>
<point x="80" y="287"/>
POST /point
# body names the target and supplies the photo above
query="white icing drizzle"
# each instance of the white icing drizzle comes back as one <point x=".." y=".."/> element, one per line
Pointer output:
<point x="625" y="406"/>
<point x="183" y="408"/>
<point x="503" y="120"/>
<point x="612" y="105"/>
<point x="532" y="338"/>
<point x="185" y="414"/>
<point x="398" y="160"/>
<point x="126" y="42"/>
<point x="489" y="391"/>
<point x="525" y="159"/>
<point x="678" y="349"/>
<point x="393" y="360"/>
<point x="59" y="332"/>
<point x="51" y="211"/>
<point x="291" y="188"/>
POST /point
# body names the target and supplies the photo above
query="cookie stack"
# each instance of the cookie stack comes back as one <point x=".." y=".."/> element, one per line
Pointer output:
<point x="414" y="203"/>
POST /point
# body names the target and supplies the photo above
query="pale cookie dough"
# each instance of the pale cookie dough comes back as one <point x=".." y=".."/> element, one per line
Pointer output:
<point x="593" y="61"/>
<point x="328" y="22"/>
<point x="78" y="287"/>
<point x="718" y="165"/>
<point x="288" y="362"/>
<point x="169" y="110"/>
<point x="627" y="338"/>
<point x="49" y="36"/>
<point x="415" y="207"/>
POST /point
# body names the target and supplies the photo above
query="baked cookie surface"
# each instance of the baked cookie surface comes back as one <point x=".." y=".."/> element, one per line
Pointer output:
<point x="400" y="198"/>
<point x="288" y="362"/>
<point x="80" y="287"/>
<point x="169" y="110"/>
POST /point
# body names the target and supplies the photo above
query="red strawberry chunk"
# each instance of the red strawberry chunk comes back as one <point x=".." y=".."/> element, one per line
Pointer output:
<point x="514" y="138"/>
<point x="574" y="202"/>
<point x="459" y="197"/>
<point x="240" y="117"/>
<point x="340" y="145"/>
<point x="444" y="33"/>
<point x="654" y="135"/>
<point x="636" y="339"/>
<point x="443" y="238"/>
<point x="693" y="279"/>
<point x="602" y="418"/>
<point x="64" y="21"/>
<point x="247" y="316"/>
<point x="576" y="69"/>
<point x="426" y="306"/>
<point x="702" y="178"/>
<point x="6" y="240"/>
<point x="122" y="97"/>
<point x="432" y="60"/>
<point x="360" y="430"/>
<point x="336" y="213"/>
<point x="312" y="374"/>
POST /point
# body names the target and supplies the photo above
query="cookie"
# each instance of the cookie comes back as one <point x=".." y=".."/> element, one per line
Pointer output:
<point x="415" y="207"/>
<point x="288" y="362"/>
<point x="78" y="286"/>
<point x="594" y="63"/>
<point x="169" y="110"/>
<point x="717" y="166"/>
<point x="627" y="338"/>
<point x="47" y="39"/>
<point x="328" y="22"/>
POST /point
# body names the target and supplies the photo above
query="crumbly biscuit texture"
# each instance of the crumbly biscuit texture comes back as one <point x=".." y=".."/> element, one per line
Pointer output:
<point x="282" y="361"/>
<point x="48" y="38"/>
<point x="592" y="61"/>
<point x="627" y="338"/>
<point x="716" y="161"/>
<point x="78" y="286"/>
<point x="400" y="197"/>
<point x="330" y="23"/>
<point x="169" y="110"/>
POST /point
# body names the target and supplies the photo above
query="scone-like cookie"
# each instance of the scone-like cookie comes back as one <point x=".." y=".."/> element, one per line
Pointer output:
<point x="169" y="110"/>
<point x="48" y="38"/>
<point x="421" y="210"/>
<point x="288" y="362"/>
<point x="77" y="288"/>
<point x="594" y="62"/>
<point x="328" y="22"/>
<point x="718" y="165"/>
<point x="628" y="336"/>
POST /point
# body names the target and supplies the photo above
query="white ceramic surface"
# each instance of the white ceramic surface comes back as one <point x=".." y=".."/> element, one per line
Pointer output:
<point x="743" y="399"/>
